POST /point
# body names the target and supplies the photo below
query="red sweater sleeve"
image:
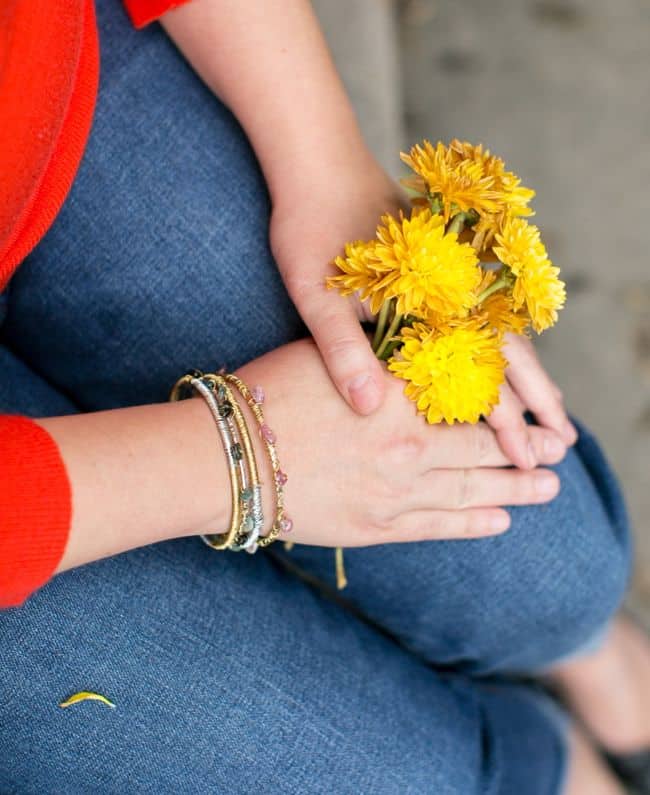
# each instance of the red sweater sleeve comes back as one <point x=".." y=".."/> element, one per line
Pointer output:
<point x="35" y="508"/>
<point x="142" y="12"/>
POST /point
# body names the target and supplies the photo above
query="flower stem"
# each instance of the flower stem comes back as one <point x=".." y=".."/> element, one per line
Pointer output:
<point x="381" y="324"/>
<point x="388" y="352"/>
<point x="435" y="203"/>
<point x="392" y="330"/>
<point x="501" y="281"/>
<point x="341" y="579"/>
<point x="457" y="224"/>
<point x="462" y="220"/>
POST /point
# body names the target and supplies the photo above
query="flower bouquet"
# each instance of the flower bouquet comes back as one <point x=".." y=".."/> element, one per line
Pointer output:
<point x="449" y="279"/>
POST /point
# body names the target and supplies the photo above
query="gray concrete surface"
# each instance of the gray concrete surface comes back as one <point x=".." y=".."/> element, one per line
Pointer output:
<point x="560" y="89"/>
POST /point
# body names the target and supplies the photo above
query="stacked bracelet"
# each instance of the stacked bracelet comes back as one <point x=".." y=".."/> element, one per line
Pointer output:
<point x="250" y="494"/>
<point x="255" y="399"/>
<point x="247" y="518"/>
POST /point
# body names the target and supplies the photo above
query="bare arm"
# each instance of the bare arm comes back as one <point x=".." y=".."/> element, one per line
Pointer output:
<point x="270" y="64"/>
<point x="140" y="475"/>
<point x="151" y="473"/>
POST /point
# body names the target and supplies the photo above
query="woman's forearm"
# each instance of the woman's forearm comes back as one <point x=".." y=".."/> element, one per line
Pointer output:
<point x="140" y="475"/>
<point x="270" y="64"/>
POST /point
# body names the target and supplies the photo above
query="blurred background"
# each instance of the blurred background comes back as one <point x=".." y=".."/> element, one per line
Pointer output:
<point x="560" y="89"/>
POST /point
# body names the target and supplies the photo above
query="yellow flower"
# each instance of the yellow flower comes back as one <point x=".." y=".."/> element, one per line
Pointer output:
<point x="426" y="270"/>
<point x="467" y="176"/>
<point x="414" y="261"/>
<point x="358" y="274"/>
<point x="497" y="310"/>
<point x="461" y="182"/>
<point x="512" y="197"/>
<point x="536" y="285"/>
<point x="499" y="313"/>
<point x="453" y="373"/>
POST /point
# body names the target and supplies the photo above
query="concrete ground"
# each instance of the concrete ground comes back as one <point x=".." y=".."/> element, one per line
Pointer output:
<point x="560" y="89"/>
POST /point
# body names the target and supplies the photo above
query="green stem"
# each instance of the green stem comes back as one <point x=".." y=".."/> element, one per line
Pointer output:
<point x="381" y="324"/>
<point x="457" y="224"/>
<point x="392" y="330"/>
<point x="389" y="349"/>
<point x="501" y="281"/>
<point x="435" y="202"/>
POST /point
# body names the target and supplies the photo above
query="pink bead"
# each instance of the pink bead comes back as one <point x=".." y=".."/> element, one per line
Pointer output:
<point x="258" y="394"/>
<point x="267" y="434"/>
<point x="286" y="525"/>
<point x="280" y="478"/>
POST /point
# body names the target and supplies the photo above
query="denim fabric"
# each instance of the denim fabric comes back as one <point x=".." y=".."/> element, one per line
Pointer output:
<point x="229" y="674"/>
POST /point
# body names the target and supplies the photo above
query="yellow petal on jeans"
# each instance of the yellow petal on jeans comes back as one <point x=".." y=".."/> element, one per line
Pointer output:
<point x="85" y="695"/>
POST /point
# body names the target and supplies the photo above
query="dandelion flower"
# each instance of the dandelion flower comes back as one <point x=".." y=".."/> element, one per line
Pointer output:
<point x="511" y="196"/>
<point x="412" y="260"/>
<point x="499" y="313"/>
<point x="426" y="270"/>
<point x="537" y="285"/>
<point x="358" y="274"/>
<point x="453" y="373"/>
<point x="461" y="182"/>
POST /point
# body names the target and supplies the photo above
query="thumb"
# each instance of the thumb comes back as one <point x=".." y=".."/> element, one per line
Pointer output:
<point x="346" y="351"/>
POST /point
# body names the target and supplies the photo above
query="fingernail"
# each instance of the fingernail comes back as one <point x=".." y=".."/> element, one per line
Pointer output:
<point x="532" y="457"/>
<point x="570" y="432"/>
<point x="363" y="393"/>
<point x="546" y="484"/>
<point x="553" y="446"/>
<point x="499" y="522"/>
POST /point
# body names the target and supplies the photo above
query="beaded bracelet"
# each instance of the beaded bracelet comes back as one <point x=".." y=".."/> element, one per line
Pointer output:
<point x="247" y="517"/>
<point x="251" y="493"/>
<point x="192" y="381"/>
<point x="255" y="399"/>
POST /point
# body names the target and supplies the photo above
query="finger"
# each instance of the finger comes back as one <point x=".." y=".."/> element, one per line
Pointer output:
<point x="345" y="349"/>
<point x="508" y="421"/>
<point x="457" y="489"/>
<point x="536" y="389"/>
<point x="439" y="525"/>
<point x="463" y="446"/>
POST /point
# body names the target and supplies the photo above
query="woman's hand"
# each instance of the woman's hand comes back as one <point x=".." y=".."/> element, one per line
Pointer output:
<point x="390" y="477"/>
<point x="352" y="480"/>
<point x="529" y="388"/>
<point x="307" y="232"/>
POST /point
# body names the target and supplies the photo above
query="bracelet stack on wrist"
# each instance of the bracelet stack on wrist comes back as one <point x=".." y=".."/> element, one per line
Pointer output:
<point x="247" y="518"/>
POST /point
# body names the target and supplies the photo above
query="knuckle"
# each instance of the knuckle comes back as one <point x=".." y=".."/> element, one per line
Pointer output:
<point x="464" y="525"/>
<point x="443" y="527"/>
<point x="483" y="443"/>
<point x="339" y="347"/>
<point x="299" y="284"/>
<point x="404" y="450"/>
<point x="464" y="488"/>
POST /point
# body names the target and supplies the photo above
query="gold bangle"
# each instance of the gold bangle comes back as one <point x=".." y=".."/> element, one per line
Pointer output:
<point x="184" y="388"/>
<point x="251" y="496"/>
<point x="282" y="523"/>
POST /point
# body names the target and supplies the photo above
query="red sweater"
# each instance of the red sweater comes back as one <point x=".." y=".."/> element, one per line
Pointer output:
<point x="49" y="66"/>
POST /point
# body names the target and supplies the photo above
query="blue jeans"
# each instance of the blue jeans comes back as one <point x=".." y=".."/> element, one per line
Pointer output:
<point x="229" y="673"/>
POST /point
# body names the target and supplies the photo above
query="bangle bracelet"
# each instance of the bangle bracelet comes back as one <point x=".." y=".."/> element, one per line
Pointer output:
<point x="251" y="493"/>
<point x="255" y="399"/>
<point x="193" y="382"/>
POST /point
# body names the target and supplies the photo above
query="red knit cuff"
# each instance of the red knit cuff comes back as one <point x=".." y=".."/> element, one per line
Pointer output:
<point x="142" y="12"/>
<point x="35" y="508"/>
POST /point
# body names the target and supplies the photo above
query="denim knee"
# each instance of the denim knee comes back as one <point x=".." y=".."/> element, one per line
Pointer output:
<point x="515" y="602"/>
<point x="552" y="583"/>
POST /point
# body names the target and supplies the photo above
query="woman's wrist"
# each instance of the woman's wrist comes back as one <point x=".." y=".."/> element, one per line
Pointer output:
<point x="140" y="475"/>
